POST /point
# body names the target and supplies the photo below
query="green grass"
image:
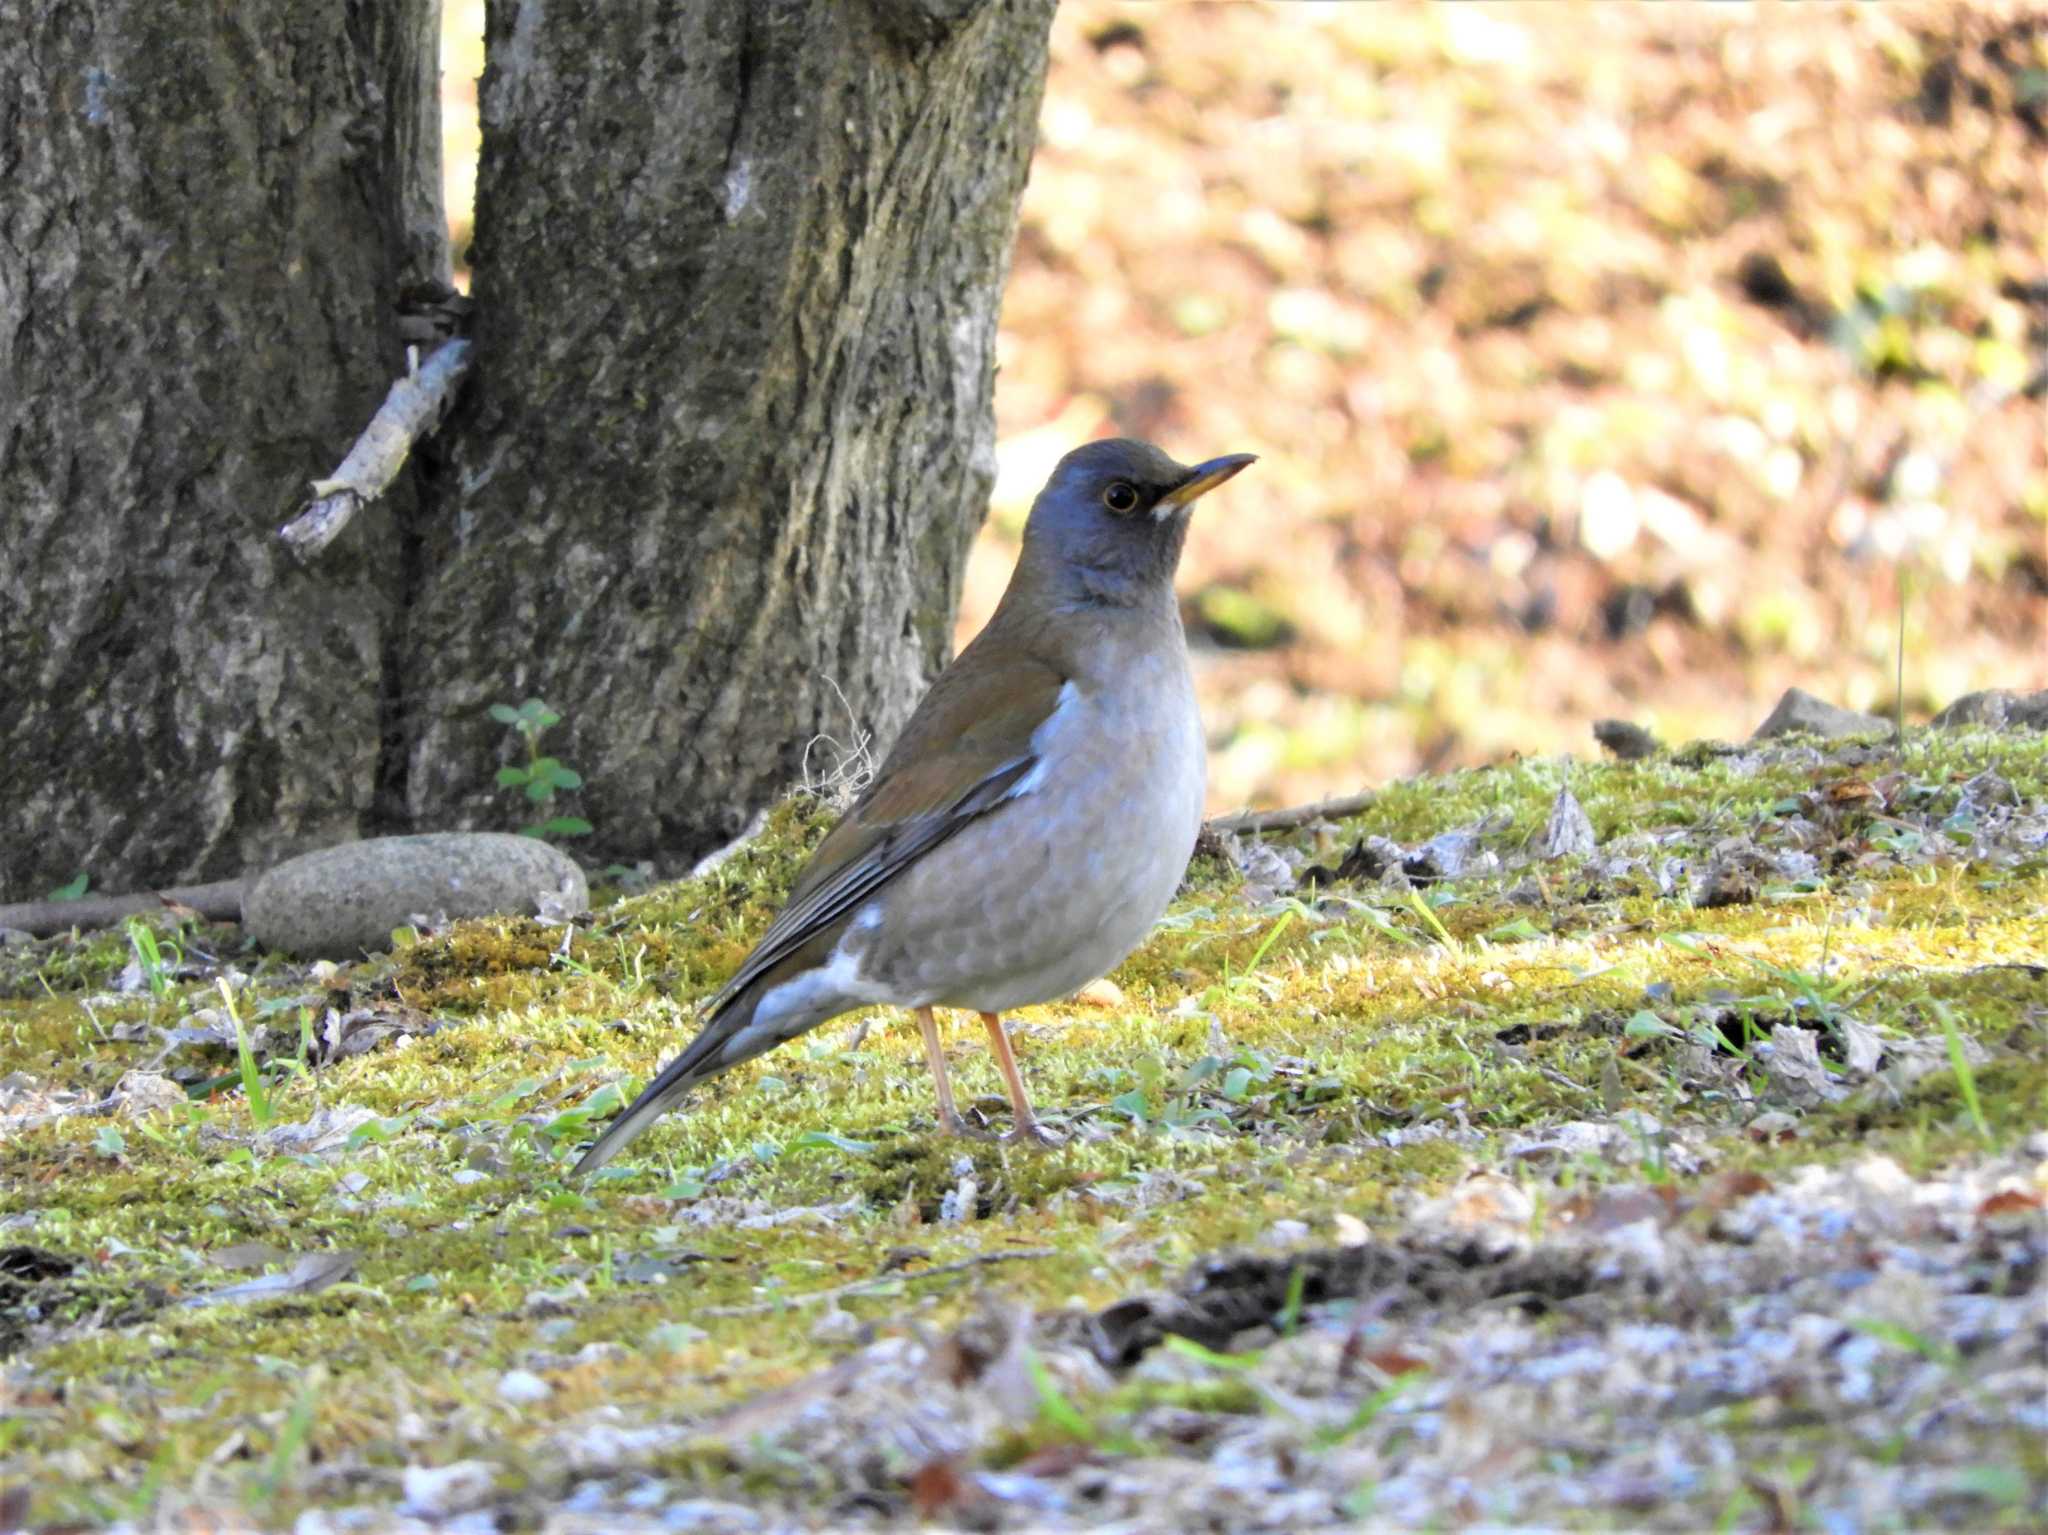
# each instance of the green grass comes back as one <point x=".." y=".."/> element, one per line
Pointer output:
<point x="1253" y="1067"/>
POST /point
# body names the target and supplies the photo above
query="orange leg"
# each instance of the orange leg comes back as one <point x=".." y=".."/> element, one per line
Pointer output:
<point x="934" y="1057"/>
<point x="1028" y="1127"/>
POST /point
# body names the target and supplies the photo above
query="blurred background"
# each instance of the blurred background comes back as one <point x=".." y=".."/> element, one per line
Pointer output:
<point x="1604" y="360"/>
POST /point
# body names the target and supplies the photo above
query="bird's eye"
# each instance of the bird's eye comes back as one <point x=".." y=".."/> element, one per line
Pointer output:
<point x="1120" y="498"/>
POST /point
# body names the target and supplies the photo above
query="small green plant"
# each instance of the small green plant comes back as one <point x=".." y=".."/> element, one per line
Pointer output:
<point x="291" y="1438"/>
<point x="158" y="959"/>
<point x="1063" y="1419"/>
<point x="570" y="1125"/>
<point x="1966" y="1076"/>
<point x="1427" y="912"/>
<point x="542" y="777"/>
<point x="1272" y="937"/>
<point x="1899" y="679"/>
<point x="1368" y="1410"/>
<point x="261" y="1109"/>
<point x="1290" y="1310"/>
<point x="1188" y="1348"/>
<point x="73" y="889"/>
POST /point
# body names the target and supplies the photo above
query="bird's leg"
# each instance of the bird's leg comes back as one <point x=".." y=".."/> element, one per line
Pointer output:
<point x="1028" y="1128"/>
<point x="934" y="1057"/>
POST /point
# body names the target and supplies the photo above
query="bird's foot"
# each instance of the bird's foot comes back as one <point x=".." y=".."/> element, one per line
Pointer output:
<point x="1031" y="1132"/>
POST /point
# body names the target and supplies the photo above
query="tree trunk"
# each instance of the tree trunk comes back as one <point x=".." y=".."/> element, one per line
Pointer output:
<point x="730" y="433"/>
<point x="205" y="213"/>
<point x="709" y="494"/>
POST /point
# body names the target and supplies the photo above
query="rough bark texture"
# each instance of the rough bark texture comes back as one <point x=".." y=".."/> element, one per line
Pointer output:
<point x="205" y="213"/>
<point x="737" y="271"/>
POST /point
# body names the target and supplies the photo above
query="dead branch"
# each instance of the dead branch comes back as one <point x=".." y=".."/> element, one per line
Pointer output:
<point x="1286" y="820"/>
<point x="878" y="1282"/>
<point x="218" y="902"/>
<point x="413" y="407"/>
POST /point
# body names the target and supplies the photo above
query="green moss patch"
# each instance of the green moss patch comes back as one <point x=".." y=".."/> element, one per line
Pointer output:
<point x="1301" y="1065"/>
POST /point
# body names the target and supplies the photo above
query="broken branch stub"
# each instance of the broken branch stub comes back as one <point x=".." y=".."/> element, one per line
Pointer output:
<point x="413" y="407"/>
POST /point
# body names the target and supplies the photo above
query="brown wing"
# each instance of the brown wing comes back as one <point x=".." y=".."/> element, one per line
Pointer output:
<point x="966" y="750"/>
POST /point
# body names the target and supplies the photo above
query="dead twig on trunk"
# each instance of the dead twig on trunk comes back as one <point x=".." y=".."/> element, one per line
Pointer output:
<point x="413" y="407"/>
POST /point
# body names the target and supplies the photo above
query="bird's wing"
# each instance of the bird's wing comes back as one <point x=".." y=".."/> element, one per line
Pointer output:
<point x="972" y="744"/>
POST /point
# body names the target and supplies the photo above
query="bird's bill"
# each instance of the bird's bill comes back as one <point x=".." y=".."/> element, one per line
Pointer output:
<point x="1204" y="478"/>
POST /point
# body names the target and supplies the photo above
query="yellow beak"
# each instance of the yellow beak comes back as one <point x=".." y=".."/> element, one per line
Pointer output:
<point x="1204" y="478"/>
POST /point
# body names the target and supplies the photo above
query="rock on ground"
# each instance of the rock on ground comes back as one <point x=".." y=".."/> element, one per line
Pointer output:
<point x="1799" y="710"/>
<point x="2000" y="708"/>
<point x="343" y="901"/>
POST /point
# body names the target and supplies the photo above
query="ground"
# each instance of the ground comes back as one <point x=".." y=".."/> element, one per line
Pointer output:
<point x="1692" y="1176"/>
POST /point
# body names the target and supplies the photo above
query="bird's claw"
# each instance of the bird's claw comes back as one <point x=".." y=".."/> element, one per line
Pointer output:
<point x="1033" y="1133"/>
<point x="1030" y="1133"/>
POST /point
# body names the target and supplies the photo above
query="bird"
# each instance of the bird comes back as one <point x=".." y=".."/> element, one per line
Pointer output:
<point x="1030" y="823"/>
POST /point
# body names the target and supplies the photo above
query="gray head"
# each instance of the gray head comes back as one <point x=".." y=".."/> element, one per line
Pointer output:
<point x="1110" y="523"/>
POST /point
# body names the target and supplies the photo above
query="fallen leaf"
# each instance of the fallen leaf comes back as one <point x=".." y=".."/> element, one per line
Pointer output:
<point x="1773" y="1126"/>
<point x="437" y="1490"/>
<point x="312" y="1273"/>
<point x="1391" y="1361"/>
<point x="1725" y="1189"/>
<point x="144" y="1093"/>
<point x="1569" y="832"/>
<point x="1797" y="1072"/>
<point x="1611" y="1209"/>
<point x="1862" y="1046"/>
<point x="937" y="1488"/>
<point x="2014" y="1208"/>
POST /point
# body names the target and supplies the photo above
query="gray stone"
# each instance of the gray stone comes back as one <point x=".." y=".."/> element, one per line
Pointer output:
<point x="344" y="901"/>
<point x="143" y="1093"/>
<point x="1568" y="833"/>
<point x="1989" y="791"/>
<point x="1456" y="852"/>
<point x="1999" y="708"/>
<point x="1799" y="711"/>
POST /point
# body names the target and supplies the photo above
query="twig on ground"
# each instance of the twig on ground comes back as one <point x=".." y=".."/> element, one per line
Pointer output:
<point x="879" y="1282"/>
<point x="104" y="1105"/>
<point x="1287" y="820"/>
<point x="218" y="902"/>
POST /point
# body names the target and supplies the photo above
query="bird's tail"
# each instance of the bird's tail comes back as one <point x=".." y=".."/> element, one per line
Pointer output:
<point x="705" y="1056"/>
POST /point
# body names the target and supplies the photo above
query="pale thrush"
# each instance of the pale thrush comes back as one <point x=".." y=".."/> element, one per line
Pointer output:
<point x="1033" y="819"/>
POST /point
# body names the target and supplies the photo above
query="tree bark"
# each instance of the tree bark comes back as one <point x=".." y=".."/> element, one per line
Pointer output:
<point x="710" y="490"/>
<point x="730" y="432"/>
<point x="205" y="214"/>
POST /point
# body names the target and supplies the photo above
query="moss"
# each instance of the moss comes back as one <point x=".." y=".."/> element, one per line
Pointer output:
<point x="2012" y="1095"/>
<point x="454" y="970"/>
<point x="919" y="1173"/>
<point x="1296" y="1061"/>
<point x="65" y="963"/>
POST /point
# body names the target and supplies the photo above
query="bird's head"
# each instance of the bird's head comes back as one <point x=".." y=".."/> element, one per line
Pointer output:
<point x="1114" y="515"/>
